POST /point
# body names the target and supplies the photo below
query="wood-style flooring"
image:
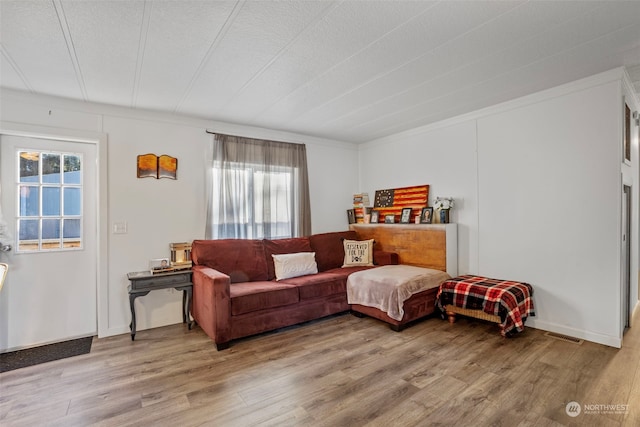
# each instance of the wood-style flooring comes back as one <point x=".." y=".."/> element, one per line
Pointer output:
<point x="337" y="371"/>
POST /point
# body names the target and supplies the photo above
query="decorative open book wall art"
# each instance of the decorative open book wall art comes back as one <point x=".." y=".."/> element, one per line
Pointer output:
<point x="152" y="166"/>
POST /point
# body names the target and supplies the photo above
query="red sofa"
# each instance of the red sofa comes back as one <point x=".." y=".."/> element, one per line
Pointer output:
<point x="235" y="293"/>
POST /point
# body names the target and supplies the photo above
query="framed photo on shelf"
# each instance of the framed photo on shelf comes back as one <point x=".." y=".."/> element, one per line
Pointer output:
<point x="426" y="216"/>
<point x="375" y="216"/>
<point x="405" y="218"/>
<point x="351" y="216"/>
<point x="159" y="265"/>
<point x="389" y="219"/>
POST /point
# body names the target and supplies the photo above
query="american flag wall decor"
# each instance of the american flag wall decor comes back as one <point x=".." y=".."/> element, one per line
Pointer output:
<point x="391" y="201"/>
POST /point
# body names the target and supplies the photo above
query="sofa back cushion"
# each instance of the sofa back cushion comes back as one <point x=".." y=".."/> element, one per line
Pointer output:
<point x="283" y="246"/>
<point x="242" y="260"/>
<point x="329" y="248"/>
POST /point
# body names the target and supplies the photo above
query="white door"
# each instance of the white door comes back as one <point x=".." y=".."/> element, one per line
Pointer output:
<point x="48" y="197"/>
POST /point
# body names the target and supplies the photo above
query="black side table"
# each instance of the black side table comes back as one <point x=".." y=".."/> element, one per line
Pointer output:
<point x="143" y="282"/>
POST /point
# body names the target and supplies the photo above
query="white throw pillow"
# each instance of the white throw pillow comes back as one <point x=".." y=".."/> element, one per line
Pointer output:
<point x="358" y="253"/>
<point x="294" y="265"/>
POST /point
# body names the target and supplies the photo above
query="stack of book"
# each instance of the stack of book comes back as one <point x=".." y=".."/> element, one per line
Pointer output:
<point x="361" y="206"/>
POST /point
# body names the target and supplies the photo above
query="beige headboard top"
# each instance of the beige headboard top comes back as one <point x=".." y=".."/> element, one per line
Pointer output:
<point x="423" y="245"/>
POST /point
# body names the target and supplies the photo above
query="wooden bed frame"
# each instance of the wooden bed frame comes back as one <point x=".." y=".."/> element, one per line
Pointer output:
<point x="423" y="245"/>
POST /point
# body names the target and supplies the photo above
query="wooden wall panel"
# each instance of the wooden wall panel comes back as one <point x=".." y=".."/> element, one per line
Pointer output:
<point x="421" y="245"/>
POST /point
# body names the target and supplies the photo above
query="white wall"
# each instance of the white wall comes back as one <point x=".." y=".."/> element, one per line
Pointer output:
<point x="158" y="212"/>
<point x="445" y="159"/>
<point x="333" y="180"/>
<point x="540" y="182"/>
<point x="506" y="167"/>
<point x="631" y="177"/>
<point x="549" y="189"/>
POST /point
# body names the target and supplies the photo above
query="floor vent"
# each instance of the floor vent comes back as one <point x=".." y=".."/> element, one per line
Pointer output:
<point x="566" y="338"/>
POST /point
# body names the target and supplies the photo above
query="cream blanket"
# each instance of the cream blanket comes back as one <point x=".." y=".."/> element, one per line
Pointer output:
<point x="388" y="287"/>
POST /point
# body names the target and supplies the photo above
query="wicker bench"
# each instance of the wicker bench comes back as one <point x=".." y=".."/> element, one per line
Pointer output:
<point x="505" y="302"/>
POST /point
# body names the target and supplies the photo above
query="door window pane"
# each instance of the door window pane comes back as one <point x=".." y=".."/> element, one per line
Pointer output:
<point x="72" y="232"/>
<point x="72" y="201"/>
<point x="29" y="204"/>
<point x="29" y="166"/>
<point x="50" y="229"/>
<point x="71" y="228"/>
<point x="72" y="170"/>
<point x="51" y="168"/>
<point x="50" y="201"/>
<point x="28" y="234"/>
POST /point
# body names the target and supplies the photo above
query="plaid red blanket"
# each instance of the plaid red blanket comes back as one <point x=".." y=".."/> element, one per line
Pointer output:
<point x="510" y="300"/>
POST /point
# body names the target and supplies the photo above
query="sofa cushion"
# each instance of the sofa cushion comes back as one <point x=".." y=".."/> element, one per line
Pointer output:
<point x="242" y="260"/>
<point x="283" y="246"/>
<point x="346" y="271"/>
<point x="358" y="253"/>
<point x="295" y="265"/>
<point x="253" y="296"/>
<point x="318" y="285"/>
<point x="329" y="249"/>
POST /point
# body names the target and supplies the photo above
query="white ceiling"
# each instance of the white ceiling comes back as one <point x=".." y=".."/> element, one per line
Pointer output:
<point x="346" y="70"/>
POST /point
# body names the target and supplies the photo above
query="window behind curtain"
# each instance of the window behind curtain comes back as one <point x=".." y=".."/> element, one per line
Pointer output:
<point x="259" y="189"/>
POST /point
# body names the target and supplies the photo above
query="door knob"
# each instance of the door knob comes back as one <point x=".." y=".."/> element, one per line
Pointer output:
<point x="4" y="248"/>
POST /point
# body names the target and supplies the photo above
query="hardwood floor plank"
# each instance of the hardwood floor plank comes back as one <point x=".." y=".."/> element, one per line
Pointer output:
<point x="361" y="407"/>
<point x="408" y="413"/>
<point x="337" y="371"/>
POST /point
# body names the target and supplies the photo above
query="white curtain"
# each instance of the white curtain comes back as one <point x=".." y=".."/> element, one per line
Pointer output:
<point x="259" y="189"/>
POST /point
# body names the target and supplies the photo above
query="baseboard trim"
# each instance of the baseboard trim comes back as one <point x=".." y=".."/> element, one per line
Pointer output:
<point x="577" y="333"/>
<point x="635" y="314"/>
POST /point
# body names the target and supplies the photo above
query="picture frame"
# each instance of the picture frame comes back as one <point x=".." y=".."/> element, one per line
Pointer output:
<point x="426" y="216"/>
<point x="389" y="219"/>
<point x="375" y="217"/>
<point x="158" y="265"/>
<point x="351" y="216"/>
<point x="180" y="255"/>
<point x="405" y="217"/>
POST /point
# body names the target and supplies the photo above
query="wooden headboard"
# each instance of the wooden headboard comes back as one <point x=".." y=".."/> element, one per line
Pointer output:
<point x="423" y="245"/>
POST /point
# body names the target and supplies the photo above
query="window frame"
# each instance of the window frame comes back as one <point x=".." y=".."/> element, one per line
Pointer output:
<point x="64" y="244"/>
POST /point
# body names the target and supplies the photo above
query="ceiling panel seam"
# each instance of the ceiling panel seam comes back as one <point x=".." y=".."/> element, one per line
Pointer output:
<point x="16" y="68"/>
<point x="404" y="64"/>
<point x="212" y="48"/>
<point x="73" y="55"/>
<point x="142" y="46"/>
<point x="451" y="71"/>
<point x="564" y="52"/>
<point x="281" y="52"/>
<point x="361" y="72"/>
<point x="328" y="70"/>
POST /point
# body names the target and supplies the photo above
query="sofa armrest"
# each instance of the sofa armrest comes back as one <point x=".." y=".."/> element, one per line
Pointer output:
<point x="385" y="258"/>
<point x="212" y="303"/>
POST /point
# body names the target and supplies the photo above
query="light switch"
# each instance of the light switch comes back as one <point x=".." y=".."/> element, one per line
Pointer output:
<point x="120" y="227"/>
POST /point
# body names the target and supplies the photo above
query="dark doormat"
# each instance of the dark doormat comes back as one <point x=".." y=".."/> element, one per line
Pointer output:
<point x="46" y="353"/>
